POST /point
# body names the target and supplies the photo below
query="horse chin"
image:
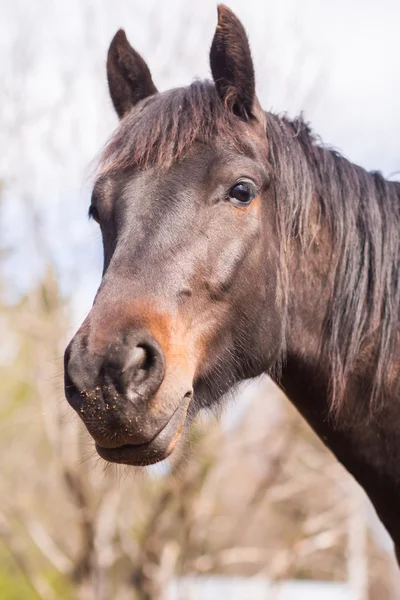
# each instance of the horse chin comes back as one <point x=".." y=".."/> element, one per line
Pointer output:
<point x="153" y="451"/>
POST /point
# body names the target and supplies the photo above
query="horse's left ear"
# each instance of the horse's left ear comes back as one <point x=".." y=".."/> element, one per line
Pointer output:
<point x="129" y="78"/>
<point x="232" y="65"/>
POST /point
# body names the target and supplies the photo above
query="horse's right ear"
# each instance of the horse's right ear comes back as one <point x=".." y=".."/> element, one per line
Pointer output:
<point x="129" y="78"/>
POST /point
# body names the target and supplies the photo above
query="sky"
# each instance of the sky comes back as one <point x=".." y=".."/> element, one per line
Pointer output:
<point x="338" y="62"/>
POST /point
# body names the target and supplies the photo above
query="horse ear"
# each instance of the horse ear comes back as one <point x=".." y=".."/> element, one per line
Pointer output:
<point x="129" y="78"/>
<point x="232" y="65"/>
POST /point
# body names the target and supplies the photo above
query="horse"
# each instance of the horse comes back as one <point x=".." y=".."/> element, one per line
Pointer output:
<point x="236" y="244"/>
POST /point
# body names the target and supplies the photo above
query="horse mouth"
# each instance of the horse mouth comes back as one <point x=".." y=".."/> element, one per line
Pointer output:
<point x="153" y="451"/>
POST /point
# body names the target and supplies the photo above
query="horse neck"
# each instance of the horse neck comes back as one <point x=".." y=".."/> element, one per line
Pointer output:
<point x="340" y="267"/>
<point x="364" y="439"/>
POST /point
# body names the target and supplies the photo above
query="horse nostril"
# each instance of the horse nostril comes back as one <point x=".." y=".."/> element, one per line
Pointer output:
<point x="136" y="368"/>
<point x="140" y="361"/>
<point x="137" y="359"/>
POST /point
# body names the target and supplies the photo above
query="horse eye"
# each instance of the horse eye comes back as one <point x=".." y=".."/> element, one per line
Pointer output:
<point x="242" y="193"/>
<point x="94" y="213"/>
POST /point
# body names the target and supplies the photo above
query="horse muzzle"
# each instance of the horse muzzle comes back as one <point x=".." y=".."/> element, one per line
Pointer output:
<point x="121" y="393"/>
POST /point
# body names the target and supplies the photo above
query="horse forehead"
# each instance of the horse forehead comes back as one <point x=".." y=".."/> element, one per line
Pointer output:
<point x="150" y="197"/>
<point x="184" y="173"/>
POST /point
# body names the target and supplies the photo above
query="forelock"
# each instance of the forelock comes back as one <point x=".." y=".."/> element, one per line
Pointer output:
<point x="161" y="129"/>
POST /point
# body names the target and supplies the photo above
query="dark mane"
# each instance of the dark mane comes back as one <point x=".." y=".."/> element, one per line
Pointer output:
<point x="161" y="129"/>
<point x="361" y="210"/>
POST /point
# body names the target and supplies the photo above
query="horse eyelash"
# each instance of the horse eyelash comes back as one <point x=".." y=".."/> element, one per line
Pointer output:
<point x="93" y="213"/>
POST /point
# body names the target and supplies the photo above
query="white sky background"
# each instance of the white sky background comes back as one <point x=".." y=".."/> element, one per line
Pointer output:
<point x="338" y="61"/>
